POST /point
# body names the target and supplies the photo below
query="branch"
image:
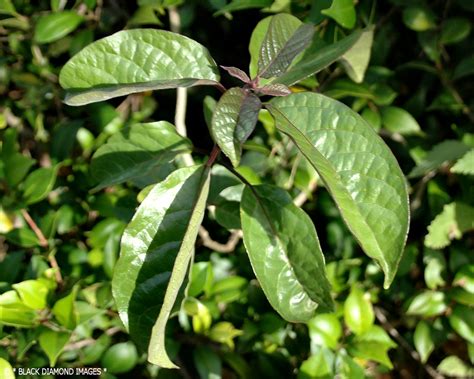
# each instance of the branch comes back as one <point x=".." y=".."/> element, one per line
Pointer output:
<point x="303" y="195"/>
<point x="227" y="247"/>
<point x="181" y="92"/>
<point x="403" y="343"/>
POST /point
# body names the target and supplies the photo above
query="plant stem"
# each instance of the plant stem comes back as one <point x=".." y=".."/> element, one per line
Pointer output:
<point x="43" y="243"/>
<point x="214" y="154"/>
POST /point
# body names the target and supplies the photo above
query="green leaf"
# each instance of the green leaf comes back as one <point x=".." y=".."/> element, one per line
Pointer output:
<point x="356" y="59"/>
<point x="372" y="117"/>
<point x="373" y="345"/>
<point x="208" y="363"/>
<point x="464" y="68"/>
<point x="325" y="330"/>
<point x="200" y="278"/>
<point x="23" y="237"/>
<point x="423" y="340"/>
<point x="358" y="312"/>
<point x="456" y="219"/>
<point x="455" y="30"/>
<point x="7" y="7"/>
<point x="133" y="61"/>
<point x="65" y="311"/>
<point x="137" y="151"/>
<point x="53" y="342"/>
<point x="427" y="304"/>
<point x="317" y="366"/>
<point x="454" y="367"/>
<point x="228" y="215"/>
<point x="33" y="293"/>
<point x="120" y="358"/>
<point x="54" y="26"/>
<point x="465" y="165"/>
<point x="15" y="313"/>
<point x="16" y="167"/>
<point x="419" y="18"/>
<point x="343" y="12"/>
<point x="284" y="39"/>
<point x="6" y="370"/>
<point x="315" y="59"/>
<point x="234" y="120"/>
<point x="156" y="249"/>
<point x="462" y="321"/>
<point x="398" y="120"/>
<point x="238" y="5"/>
<point x="347" y="368"/>
<point x="465" y="278"/>
<point x="443" y="152"/>
<point x="224" y="332"/>
<point x="435" y="268"/>
<point x="39" y="184"/>
<point x="356" y="166"/>
<point x="284" y="252"/>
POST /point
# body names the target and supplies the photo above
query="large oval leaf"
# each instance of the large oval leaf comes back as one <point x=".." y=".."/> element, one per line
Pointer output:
<point x="275" y="42"/>
<point x="234" y="120"/>
<point x="284" y="252"/>
<point x="136" y="151"/>
<point x="316" y="58"/>
<point x="358" y="169"/>
<point x="134" y="61"/>
<point x="156" y="249"/>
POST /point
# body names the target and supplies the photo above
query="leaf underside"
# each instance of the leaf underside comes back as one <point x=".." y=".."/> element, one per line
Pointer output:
<point x="357" y="168"/>
<point x="285" y="253"/>
<point x="134" y="61"/>
<point x="234" y="120"/>
<point x="155" y="252"/>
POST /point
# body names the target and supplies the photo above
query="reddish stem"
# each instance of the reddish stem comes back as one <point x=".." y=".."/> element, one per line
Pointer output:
<point x="214" y="153"/>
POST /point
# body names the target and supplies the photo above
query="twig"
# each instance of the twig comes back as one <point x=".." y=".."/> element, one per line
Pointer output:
<point x="42" y="239"/>
<point x="303" y="195"/>
<point x="403" y="343"/>
<point x="43" y="243"/>
<point x="90" y="341"/>
<point x="181" y="92"/>
<point x="227" y="247"/>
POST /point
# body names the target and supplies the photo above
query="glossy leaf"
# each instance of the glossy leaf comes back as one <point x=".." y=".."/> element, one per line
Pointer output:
<point x="356" y="166"/>
<point x="6" y="370"/>
<point x="343" y="12"/>
<point x="356" y="59"/>
<point x="33" y="293"/>
<point x="39" y="184"/>
<point x="423" y="340"/>
<point x="398" y="120"/>
<point x="284" y="252"/>
<point x="462" y="321"/>
<point x="316" y="59"/>
<point x="419" y="18"/>
<point x="234" y="120"/>
<point x="134" y="61"/>
<point x="237" y="73"/>
<point x="358" y="311"/>
<point x="155" y="252"/>
<point x="54" y="26"/>
<point x="427" y="304"/>
<point x="135" y="151"/>
<point x="373" y="345"/>
<point x="65" y="311"/>
<point x="325" y="330"/>
<point x="23" y="237"/>
<point x="455" y="30"/>
<point x="284" y="39"/>
<point x="53" y="342"/>
<point x="317" y="366"/>
<point x="15" y="313"/>
<point x="453" y="366"/>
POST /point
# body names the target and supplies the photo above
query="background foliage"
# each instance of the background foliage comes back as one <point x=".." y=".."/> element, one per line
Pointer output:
<point x="59" y="240"/>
